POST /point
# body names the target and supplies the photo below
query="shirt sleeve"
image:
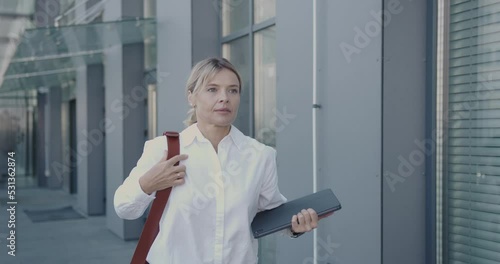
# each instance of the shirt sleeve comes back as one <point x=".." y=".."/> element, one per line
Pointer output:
<point x="270" y="196"/>
<point x="130" y="201"/>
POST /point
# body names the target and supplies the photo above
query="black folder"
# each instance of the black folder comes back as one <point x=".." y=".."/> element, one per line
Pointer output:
<point x="279" y="218"/>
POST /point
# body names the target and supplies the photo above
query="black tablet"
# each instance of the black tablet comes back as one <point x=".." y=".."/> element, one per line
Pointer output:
<point x="279" y="218"/>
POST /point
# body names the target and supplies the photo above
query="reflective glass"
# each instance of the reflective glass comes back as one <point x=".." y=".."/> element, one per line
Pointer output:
<point x="17" y="7"/>
<point x="47" y="56"/>
<point x="265" y="86"/>
<point x="263" y="10"/>
<point x="235" y="15"/>
<point x="471" y="159"/>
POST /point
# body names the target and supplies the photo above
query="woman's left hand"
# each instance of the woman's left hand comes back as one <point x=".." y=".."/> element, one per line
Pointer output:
<point x="306" y="220"/>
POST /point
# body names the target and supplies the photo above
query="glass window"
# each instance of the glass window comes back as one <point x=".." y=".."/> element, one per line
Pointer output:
<point x="265" y="86"/>
<point x="235" y="15"/>
<point x="263" y="10"/>
<point x="470" y="160"/>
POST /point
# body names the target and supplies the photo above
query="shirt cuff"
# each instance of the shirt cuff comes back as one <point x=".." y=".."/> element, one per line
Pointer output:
<point x="295" y="235"/>
<point x="289" y="233"/>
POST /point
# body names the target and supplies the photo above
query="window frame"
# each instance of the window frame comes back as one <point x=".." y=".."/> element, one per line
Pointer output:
<point x="440" y="110"/>
<point x="437" y="46"/>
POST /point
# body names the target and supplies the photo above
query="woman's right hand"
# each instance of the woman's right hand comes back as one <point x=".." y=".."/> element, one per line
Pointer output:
<point x="164" y="174"/>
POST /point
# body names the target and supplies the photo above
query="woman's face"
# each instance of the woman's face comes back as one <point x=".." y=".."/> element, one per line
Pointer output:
<point x="218" y="101"/>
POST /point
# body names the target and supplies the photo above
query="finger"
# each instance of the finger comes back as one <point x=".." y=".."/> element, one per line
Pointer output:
<point x="177" y="175"/>
<point x="307" y="220"/>
<point x="314" y="217"/>
<point x="307" y="216"/>
<point x="313" y="214"/>
<point x="180" y="174"/>
<point x="176" y="159"/>
<point x="179" y="168"/>
<point x="295" y="225"/>
<point x="301" y="221"/>
<point x="164" y="157"/>
<point x="179" y="182"/>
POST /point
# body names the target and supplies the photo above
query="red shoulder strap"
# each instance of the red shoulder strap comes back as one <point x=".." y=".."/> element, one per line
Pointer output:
<point x="151" y="227"/>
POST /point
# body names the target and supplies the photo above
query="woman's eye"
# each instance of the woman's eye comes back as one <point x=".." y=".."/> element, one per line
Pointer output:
<point x="235" y="91"/>
<point x="211" y="89"/>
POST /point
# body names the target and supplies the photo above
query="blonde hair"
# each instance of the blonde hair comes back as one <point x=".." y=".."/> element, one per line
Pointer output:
<point x="201" y="74"/>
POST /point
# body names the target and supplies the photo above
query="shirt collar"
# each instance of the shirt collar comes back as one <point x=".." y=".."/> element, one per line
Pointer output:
<point x="192" y="132"/>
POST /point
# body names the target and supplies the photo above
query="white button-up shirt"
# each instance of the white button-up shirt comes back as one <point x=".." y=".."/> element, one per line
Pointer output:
<point x="207" y="219"/>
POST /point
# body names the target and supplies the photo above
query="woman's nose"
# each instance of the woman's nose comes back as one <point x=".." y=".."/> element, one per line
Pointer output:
<point x="224" y="97"/>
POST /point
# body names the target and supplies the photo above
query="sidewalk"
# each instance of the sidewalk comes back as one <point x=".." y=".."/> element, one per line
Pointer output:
<point x="85" y="240"/>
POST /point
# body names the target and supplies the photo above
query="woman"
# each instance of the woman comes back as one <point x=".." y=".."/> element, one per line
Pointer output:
<point x="224" y="178"/>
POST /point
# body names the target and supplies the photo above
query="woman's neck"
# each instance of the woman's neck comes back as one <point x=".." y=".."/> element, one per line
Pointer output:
<point x="214" y="134"/>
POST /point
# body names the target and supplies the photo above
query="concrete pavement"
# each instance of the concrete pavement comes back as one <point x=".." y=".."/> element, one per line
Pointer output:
<point x="66" y="242"/>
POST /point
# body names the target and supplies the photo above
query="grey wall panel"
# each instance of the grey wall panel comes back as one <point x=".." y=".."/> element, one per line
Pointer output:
<point x="114" y="133"/>
<point x="294" y="97"/>
<point x="349" y="129"/>
<point x="54" y="132"/>
<point x="96" y="139"/>
<point x="349" y="91"/>
<point x="112" y="10"/>
<point x="124" y="70"/>
<point x="132" y="8"/>
<point x="81" y="125"/>
<point x="40" y="139"/>
<point x="174" y="62"/>
<point x="65" y="119"/>
<point x="205" y="30"/>
<point x="404" y="109"/>
<point x="115" y="173"/>
<point x="125" y="136"/>
<point x="90" y="142"/>
<point x="135" y="93"/>
<point x="134" y="115"/>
